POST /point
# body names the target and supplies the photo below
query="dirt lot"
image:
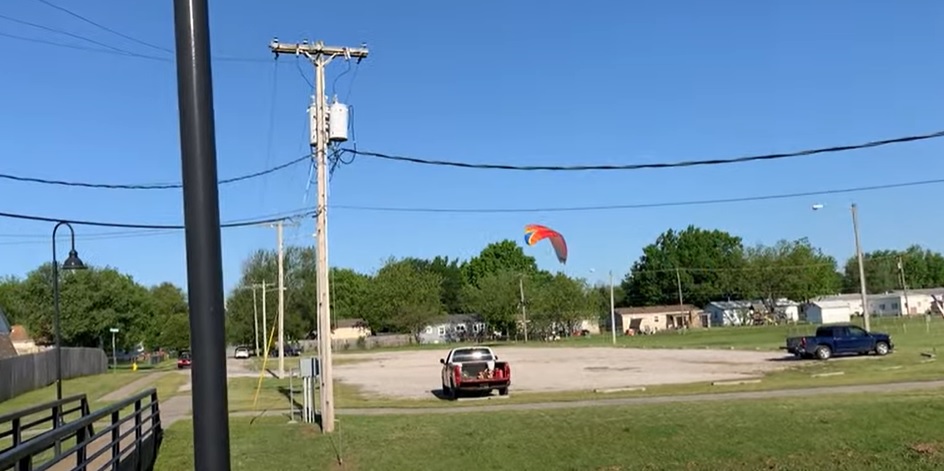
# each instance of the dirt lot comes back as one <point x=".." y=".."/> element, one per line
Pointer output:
<point x="414" y="374"/>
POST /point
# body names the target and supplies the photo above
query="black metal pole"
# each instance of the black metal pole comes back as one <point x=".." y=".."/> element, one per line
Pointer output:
<point x="202" y="222"/>
<point x="56" y="315"/>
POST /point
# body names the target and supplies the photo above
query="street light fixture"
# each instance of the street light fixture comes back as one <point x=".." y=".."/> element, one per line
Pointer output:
<point x="73" y="262"/>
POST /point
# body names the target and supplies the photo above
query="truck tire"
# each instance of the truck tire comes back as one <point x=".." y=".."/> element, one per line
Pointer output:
<point x="823" y="352"/>
<point x="881" y="348"/>
<point x="502" y="391"/>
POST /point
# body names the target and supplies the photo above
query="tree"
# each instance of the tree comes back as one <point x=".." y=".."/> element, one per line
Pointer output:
<point x="175" y="332"/>
<point x="497" y="299"/>
<point x="11" y="300"/>
<point x="706" y="261"/>
<point x="349" y="293"/>
<point x="169" y="303"/>
<point x="454" y="280"/>
<point x="496" y="257"/>
<point x="923" y="269"/>
<point x="404" y="297"/>
<point x="91" y="302"/>
<point x="789" y="269"/>
<point x="562" y="303"/>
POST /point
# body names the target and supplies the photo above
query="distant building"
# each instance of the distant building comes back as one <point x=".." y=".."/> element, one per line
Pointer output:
<point x="742" y="312"/>
<point x="453" y="328"/>
<point x="6" y="343"/>
<point x="655" y="318"/>
<point x="350" y="329"/>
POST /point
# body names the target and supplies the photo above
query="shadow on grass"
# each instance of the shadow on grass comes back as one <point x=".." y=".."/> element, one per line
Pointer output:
<point x="441" y="395"/>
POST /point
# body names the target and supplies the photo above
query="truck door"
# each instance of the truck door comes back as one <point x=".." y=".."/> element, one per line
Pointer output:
<point x="859" y="339"/>
<point x="842" y="342"/>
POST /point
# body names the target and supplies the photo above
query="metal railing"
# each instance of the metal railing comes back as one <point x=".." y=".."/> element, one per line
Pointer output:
<point x="37" y="419"/>
<point x="129" y="440"/>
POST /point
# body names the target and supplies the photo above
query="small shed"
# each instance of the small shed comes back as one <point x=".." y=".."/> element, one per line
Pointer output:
<point x="828" y="312"/>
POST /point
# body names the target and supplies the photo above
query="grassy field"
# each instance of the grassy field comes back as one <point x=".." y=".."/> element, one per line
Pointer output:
<point x="852" y="432"/>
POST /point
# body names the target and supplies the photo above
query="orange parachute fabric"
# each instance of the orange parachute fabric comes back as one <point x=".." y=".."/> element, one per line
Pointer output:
<point x="534" y="233"/>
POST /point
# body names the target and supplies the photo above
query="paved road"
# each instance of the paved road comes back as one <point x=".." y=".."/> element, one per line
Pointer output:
<point x="781" y="393"/>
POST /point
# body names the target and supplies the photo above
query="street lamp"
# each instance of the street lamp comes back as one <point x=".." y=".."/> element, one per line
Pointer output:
<point x="73" y="262"/>
<point x="858" y="247"/>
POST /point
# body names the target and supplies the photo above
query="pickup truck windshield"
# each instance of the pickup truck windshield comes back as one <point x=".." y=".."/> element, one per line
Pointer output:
<point x="471" y="354"/>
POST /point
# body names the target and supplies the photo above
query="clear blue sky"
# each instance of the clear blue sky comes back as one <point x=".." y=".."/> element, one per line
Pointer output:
<point x="521" y="82"/>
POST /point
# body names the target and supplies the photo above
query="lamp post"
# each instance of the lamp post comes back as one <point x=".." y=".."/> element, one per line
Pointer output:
<point x="858" y="248"/>
<point x="73" y="262"/>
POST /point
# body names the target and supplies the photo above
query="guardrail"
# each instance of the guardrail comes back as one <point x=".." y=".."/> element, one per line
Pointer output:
<point x="127" y="442"/>
<point x="31" y="420"/>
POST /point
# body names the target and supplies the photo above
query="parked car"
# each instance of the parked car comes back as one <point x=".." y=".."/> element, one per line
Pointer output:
<point x="183" y="359"/>
<point x="839" y="339"/>
<point x="242" y="353"/>
<point x="474" y="369"/>
<point x="290" y="351"/>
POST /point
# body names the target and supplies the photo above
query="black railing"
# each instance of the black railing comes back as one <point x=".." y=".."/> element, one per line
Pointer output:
<point x="129" y="440"/>
<point x="32" y="421"/>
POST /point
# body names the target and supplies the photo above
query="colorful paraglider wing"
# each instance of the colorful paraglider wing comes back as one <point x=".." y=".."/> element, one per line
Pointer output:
<point x="535" y="233"/>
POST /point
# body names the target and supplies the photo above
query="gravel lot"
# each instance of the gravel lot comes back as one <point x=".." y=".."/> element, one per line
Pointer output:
<point x="415" y="374"/>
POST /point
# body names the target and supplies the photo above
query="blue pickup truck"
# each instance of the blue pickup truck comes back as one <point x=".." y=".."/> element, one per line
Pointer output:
<point x="839" y="339"/>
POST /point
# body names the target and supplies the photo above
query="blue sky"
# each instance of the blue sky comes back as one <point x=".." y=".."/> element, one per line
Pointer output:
<point x="523" y="82"/>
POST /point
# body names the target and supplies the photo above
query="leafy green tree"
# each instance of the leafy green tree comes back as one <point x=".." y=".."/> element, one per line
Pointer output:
<point x="923" y="268"/>
<point x="496" y="257"/>
<point x="404" y="298"/>
<point x="789" y="269"/>
<point x="168" y="302"/>
<point x="11" y="300"/>
<point x="454" y="280"/>
<point x="175" y="332"/>
<point x="349" y="293"/>
<point x="91" y="302"/>
<point x="497" y="299"/>
<point x="562" y="303"/>
<point x="707" y="262"/>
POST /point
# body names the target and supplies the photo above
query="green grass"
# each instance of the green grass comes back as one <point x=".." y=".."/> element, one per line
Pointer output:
<point x="852" y="432"/>
<point x="94" y="387"/>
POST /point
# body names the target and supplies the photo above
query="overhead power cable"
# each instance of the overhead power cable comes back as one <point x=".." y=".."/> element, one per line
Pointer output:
<point x="149" y="186"/>
<point x="84" y="222"/>
<point x="103" y="27"/>
<point x="103" y="48"/>
<point x="615" y="207"/>
<point x="688" y="163"/>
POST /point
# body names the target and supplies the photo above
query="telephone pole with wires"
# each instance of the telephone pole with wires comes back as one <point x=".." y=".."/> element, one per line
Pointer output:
<point x="279" y="230"/>
<point x="328" y="125"/>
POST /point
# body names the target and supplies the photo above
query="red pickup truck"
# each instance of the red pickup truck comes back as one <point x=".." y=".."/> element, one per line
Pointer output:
<point x="474" y="369"/>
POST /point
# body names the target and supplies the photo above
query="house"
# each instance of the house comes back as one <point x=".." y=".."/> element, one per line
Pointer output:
<point x="6" y="344"/>
<point x="22" y="341"/>
<point x="655" y="318"/>
<point x="453" y="328"/>
<point x="892" y="303"/>
<point x="741" y="312"/>
<point x="828" y="311"/>
<point x="350" y="329"/>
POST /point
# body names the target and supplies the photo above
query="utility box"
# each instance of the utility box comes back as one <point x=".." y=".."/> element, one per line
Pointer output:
<point x="309" y="367"/>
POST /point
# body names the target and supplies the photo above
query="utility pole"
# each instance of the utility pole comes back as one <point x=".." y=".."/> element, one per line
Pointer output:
<point x="320" y="55"/>
<point x="678" y="281"/>
<point x="612" y="310"/>
<point x="865" y="301"/>
<point x="255" y="318"/>
<point x="265" y="330"/>
<point x="278" y="228"/>
<point x="904" y="285"/>
<point x="524" y="310"/>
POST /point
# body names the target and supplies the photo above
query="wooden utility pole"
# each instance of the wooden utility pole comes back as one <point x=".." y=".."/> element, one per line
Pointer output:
<point x="678" y="281"/>
<point x="255" y="318"/>
<point x="524" y="310"/>
<point x="320" y="55"/>
<point x="265" y="342"/>
<point x="904" y="285"/>
<point x="865" y="298"/>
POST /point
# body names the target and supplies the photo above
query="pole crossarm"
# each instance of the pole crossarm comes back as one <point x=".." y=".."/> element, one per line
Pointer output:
<point x="316" y="49"/>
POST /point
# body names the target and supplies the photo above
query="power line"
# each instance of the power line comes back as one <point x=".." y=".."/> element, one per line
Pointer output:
<point x="82" y="222"/>
<point x="151" y="186"/>
<point x="615" y="207"/>
<point x="689" y="163"/>
<point x="103" y="48"/>
<point x="103" y="27"/>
